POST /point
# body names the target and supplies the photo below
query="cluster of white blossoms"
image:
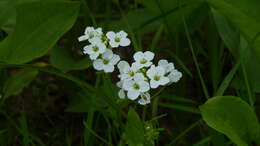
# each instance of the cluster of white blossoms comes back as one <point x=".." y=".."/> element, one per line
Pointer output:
<point x="101" y="45"/>
<point x="137" y="79"/>
<point x="142" y="76"/>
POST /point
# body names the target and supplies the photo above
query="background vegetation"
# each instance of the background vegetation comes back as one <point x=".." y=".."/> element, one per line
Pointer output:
<point x="51" y="95"/>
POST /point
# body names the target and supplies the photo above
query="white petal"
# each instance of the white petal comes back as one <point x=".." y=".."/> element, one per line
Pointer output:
<point x="160" y="70"/>
<point x="144" y="86"/>
<point x="102" y="48"/>
<point x="99" y="30"/>
<point x="122" y="65"/>
<point x="108" y="54"/>
<point x="164" y="80"/>
<point x="137" y="65"/>
<point x="82" y="38"/>
<point x="111" y="35"/>
<point x="95" y="40"/>
<point x="109" y="68"/>
<point x="125" y="42"/>
<point x="151" y="72"/>
<point x="89" y="29"/>
<point x="163" y="63"/>
<point x="113" y="44"/>
<point x="122" y="34"/>
<point x="145" y="99"/>
<point x="133" y="94"/>
<point x="149" y="55"/>
<point x="127" y="85"/>
<point x="139" y="77"/>
<point x="175" y="76"/>
<point x="88" y="49"/>
<point x="138" y="55"/>
<point x="119" y="84"/>
<point x="147" y="64"/>
<point x="93" y="56"/>
<point x="121" y="94"/>
<point x="154" y="84"/>
<point x="98" y="64"/>
<point x="114" y="59"/>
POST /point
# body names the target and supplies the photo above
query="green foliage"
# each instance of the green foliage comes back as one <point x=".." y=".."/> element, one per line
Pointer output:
<point x="134" y="131"/>
<point x="7" y="15"/>
<point x="15" y="84"/>
<point x="232" y="117"/>
<point x="63" y="59"/>
<point x="214" y="43"/>
<point x="242" y="17"/>
<point x="39" y="25"/>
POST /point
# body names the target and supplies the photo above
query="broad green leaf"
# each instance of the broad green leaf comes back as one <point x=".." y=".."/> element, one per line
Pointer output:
<point x="231" y="37"/>
<point x="135" y="19"/>
<point x="241" y="17"/>
<point x="134" y="131"/>
<point x="232" y="117"/>
<point x="7" y="15"/>
<point x="192" y="10"/>
<point x="39" y="25"/>
<point x="15" y="84"/>
<point x="63" y="59"/>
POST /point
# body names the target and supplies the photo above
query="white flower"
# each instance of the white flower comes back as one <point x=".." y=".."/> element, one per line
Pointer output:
<point x="90" y="33"/>
<point x="121" y="92"/>
<point x="175" y="76"/>
<point x="94" y="50"/>
<point x="136" y="86"/>
<point x="145" y="98"/>
<point x="143" y="59"/>
<point x="118" y="39"/>
<point x="107" y="61"/>
<point x="126" y="71"/>
<point x="168" y="67"/>
<point x="156" y="74"/>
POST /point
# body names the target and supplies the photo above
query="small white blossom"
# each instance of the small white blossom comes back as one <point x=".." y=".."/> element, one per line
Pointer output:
<point x="168" y="67"/>
<point x="136" y="86"/>
<point x="121" y="92"/>
<point x="90" y="33"/>
<point x="107" y="61"/>
<point x="156" y="74"/>
<point x="94" y="50"/>
<point x="143" y="59"/>
<point x="118" y="39"/>
<point x="145" y="98"/>
<point x="126" y="71"/>
<point x="175" y="76"/>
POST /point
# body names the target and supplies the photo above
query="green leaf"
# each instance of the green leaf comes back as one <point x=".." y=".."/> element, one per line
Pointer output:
<point x="242" y="16"/>
<point x="7" y="15"/>
<point x="192" y="10"/>
<point x="62" y="59"/>
<point x="134" y="131"/>
<point x="39" y="26"/>
<point x="15" y="84"/>
<point x="232" y="117"/>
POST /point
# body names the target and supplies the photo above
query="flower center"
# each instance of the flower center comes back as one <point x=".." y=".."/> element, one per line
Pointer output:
<point x="156" y="78"/>
<point x="95" y="48"/>
<point x="117" y="39"/>
<point x="131" y="73"/>
<point x="91" y="35"/>
<point x="136" y="86"/>
<point x="143" y="61"/>
<point x="105" y="61"/>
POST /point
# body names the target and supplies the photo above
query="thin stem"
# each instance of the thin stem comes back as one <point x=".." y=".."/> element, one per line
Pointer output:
<point x="195" y="60"/>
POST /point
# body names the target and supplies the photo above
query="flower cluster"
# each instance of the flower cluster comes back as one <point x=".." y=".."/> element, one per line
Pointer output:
<point x="137" y="79"/>
<point x="101" y="45"/>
